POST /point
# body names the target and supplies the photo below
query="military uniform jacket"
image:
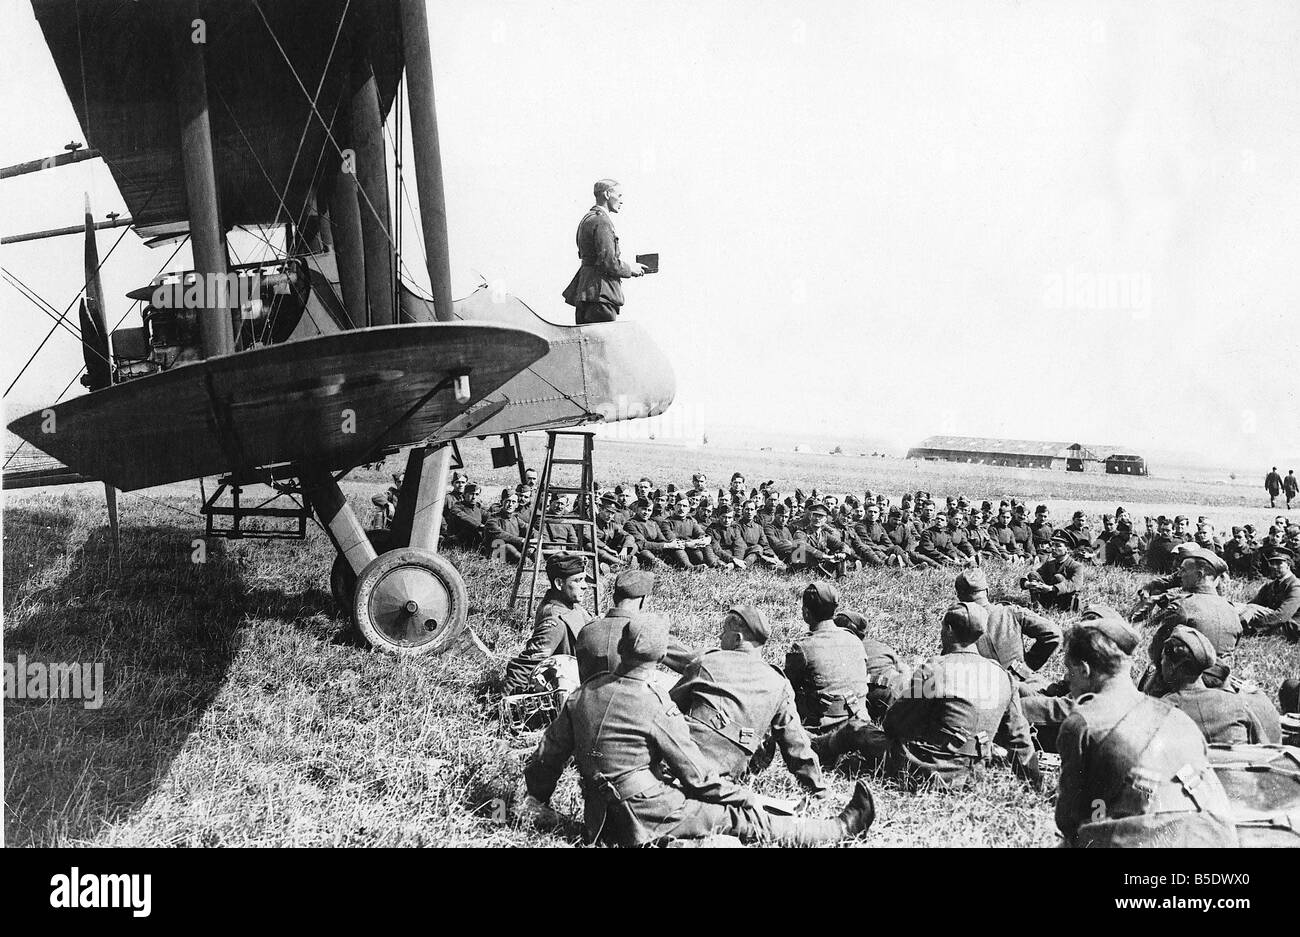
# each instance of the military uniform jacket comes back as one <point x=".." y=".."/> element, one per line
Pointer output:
<point x="555" y="631"/>
<point x="1122" y="550"/>
<point x="779" y="535"/>
<point x="1002" y="541"/>
<point x="1024" y="536"/>
<point x="828" y="673"/>
<point x="1124" y="754"/>
<point x="1222" y="716"/>
<point x="727" y="540"/>
<point x="1066" y="576"/>
<point x="617" y="728"/>
<point x="817" y="544"/>
<point x="1004" y="637"/>
<point x="597" y="646"/>
<point x="872" y="534"/>
<point x="1290" y="485"/>
<point x="600" y="278"/>
<point x="962" y="541"/>
<point x="734" y="702"/>
<point x="686" y="528"/>
<point x="1239" y="557"/>
<point x="937" y="545"/>
<point x="954" y="708"/>
<point x="1273" y="483"/>
<point x="465" y="524"/>
<point x="1042" y="536"/>
<point x="560" y="536"/>
<point x="1160" y="554"/>
<point x="1207" y="612"/>
<point x="647" y="534"/>
<point x="508" y="529"/>
<point x="1280" y="594"/>
<point x="755" y="539"/>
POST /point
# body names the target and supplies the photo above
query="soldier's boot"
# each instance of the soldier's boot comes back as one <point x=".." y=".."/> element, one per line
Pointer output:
<point x="854" y="820"/>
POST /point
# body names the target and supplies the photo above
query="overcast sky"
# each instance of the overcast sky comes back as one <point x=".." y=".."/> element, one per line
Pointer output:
<point x="1036" y="220"/>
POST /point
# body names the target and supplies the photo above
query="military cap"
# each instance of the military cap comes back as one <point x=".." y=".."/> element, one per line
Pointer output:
<point x="641" y="503"/>
<point x="564" y="565"/>
<point x="821" y="599"/>
<point x="619" y="489"/>
<point x="972" y="581"/>
<point x="735" y="475"/>
<point x="816" y="507"/>
<point x="1181" y="517"/>
<point x="1103" y="618"/>
<point x="1292" y="530"/>
<point x="1041" y="509"/>
<point x="633" y="584"/>
<point x="853" y="621"/>
<point x="962" y="499"/>
<point x="1065" y="537"/>
<point x="458" y="477"/>
<point x="609" y="498"/>
<point x="1249" y="528"/>
<point x="1078" y="515"/>
<point x="754" y="619"/>
<point x="1124" y="523"/>
<point x="644" y="641"/>
<point x="966" y="621"/>
<point x="1163" y="520"/>
<point x="988" y="506"/>
<point x="1278" y="552"/>
<point x="895" y="512"/>
<point x="1200" y="648"/>
<point x="471" y="489"/>
<point x="1194" y="551"/>
<point x="725" y="508"/>
<point x="1235" y="531"/>
<point x="851" y="500"/>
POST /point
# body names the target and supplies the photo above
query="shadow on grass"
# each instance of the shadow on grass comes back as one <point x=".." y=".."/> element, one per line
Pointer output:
<point x="165" y="628"/>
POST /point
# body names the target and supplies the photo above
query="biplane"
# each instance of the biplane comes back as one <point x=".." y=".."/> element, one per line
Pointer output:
<point x="213" y="115"/>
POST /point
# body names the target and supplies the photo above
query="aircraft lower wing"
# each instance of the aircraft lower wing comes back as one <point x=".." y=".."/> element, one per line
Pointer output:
<point x="332" y="400"/>
<point x="41" y="478"/>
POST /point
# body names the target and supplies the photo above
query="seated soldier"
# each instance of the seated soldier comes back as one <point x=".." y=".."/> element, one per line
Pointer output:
<point x="694" y="545"/>
<point x="560" y="618"/>
<point x="903" y="535"/>
<point x="816" y="547"/>
<point x="504" y="531"/>
<point x="614" y="546"/>
<point x="826" y="666"/>
<point x="1276" y="606"/>
<point x="1056" y="584"/>
<point x="1001" y="542"/>
<point x="648" y="536"/>
<point x="779" y="535"/>
<point x="962" y="541"/>
<point x="758" y="550"/>
<point x="1199" y="607"/>
<point x="597" y="644"/>
<point x="1134" y="770"/>
<point x="740" y="709"/>
<point x="465" y="519"/>
<point x="947" y="717"/>
<point x="1122" y="547"/>
<point x="870" y="539"/>
<point x="623" y="732"/>
<point x="728" y="544"/>
<point x="1239" y="556"/>
<point x="1007" y="630"/>
<point x="1221" y="715"/>
<point x="1160" y="557"/>
<point x="1041" y="531"/>
<point x="884" y="670"/>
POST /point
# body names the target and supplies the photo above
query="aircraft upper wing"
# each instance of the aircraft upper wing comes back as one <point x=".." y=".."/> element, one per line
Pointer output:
<point x="265" y="60"/>
<point x="332" y="399"/>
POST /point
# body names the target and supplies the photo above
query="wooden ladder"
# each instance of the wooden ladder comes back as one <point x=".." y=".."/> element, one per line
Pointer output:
<point x="532" y="561"/>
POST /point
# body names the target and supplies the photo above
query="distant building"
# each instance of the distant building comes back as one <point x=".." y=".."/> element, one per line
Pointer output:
<point x="1023" y="453"/>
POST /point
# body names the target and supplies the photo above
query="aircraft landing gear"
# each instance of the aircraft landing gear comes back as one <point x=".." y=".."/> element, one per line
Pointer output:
<point x="410" y="601"/>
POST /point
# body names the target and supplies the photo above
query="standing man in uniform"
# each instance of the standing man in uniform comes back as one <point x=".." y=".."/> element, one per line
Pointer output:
<point x="1290" y="487"/>
<point x="596" y="290"/>
<point x="1273" y="485"/>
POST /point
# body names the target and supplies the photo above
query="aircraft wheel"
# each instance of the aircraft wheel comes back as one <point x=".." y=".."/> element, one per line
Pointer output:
<point x="343" y="581"/>
<point x="410" y="602"/>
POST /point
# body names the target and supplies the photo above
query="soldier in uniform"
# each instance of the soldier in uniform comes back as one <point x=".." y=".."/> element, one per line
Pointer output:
<point x="1057" y="582"/>
<point x="873" y="545"/>
<point x="948" y="717"/>
<point x="1122" y="547"/>
<point x="648" y="536"/>
<point x="1160" y="556"/>
<point x="620" y="727"/>
<point x="1273" y="485"/>
<point x="826" y="666"/>
<point x="1290" y="487"/>
<point x="504" y="531"/>
<point x="597" y="645"/>
<point x="596" y="290"/>
<point x="1223" y="716"/>
<point x="1022" y="532"/>
<point x="1079" y="528"/>
<point x="936" y="544"/>
<point x="758" y="550"/>
<point x="1134" y="770"/>
<point x="560" y="618"/>
<point x="741" y="709"/>
<point x="728" y="544"/>
<point x="884" y="669"/>
<point x="816" y="545"/>
<point x="694" y="544"/>
<point x="779" y="535"/>
<point x="1001" y="540"/>
<point x="1041" y="530"/>
<point x="1277" y="604"/>
<point x="904" y="538"/>
<point x="1199" y="607"/>
<point x="466" y="518"/>
<point x="1008" y="629"/>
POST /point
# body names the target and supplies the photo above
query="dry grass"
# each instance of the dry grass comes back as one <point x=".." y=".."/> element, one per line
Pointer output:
<point x="240" y="710"/>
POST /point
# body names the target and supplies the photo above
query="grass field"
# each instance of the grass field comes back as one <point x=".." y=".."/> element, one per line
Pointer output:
<point x="239" y="709"/>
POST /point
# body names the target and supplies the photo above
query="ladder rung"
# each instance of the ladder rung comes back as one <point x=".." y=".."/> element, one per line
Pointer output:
<point x="568" y="461"/>
<point x="557" y="490"/>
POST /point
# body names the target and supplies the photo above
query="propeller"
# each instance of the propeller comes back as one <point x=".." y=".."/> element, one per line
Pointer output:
<point x="94" y="350"/>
